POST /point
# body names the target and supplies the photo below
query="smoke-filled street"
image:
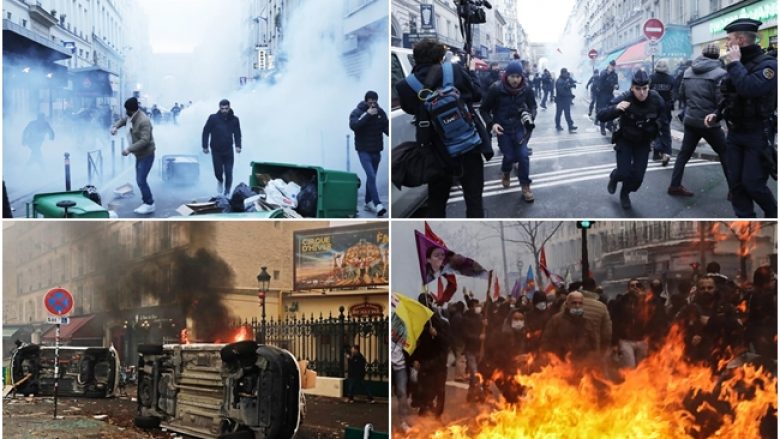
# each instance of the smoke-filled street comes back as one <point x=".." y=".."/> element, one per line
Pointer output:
<point x="205" y="106"/>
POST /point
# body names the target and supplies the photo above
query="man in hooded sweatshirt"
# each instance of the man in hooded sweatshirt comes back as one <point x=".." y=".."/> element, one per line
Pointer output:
<point x="505" y="110"/>
<point x="224" y="128"/>
<point x="700" y="94"/>
<point x="369" y="122"/>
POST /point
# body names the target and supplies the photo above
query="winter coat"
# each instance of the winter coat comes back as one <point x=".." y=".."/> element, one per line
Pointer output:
<point x="640" y="122"/>
<point x="472" y="329"/>
<point x="547" y="81"/>
<point x="606" y="85"/>
<point x="223" y="131"/>
<point x="566" y="334"/>
<point x="593" y="83"/>
<point x="368" y="129"/>
<point x="499" y="106"/>
<point x="563" y="87"/>
<point x="140" y="133"/>
<point x="35" y="132"/>
<point x="598" y="318"/>
<point x="357" y="366"/>
<point x="700" y="90"/>
<point x="663" y="83"/>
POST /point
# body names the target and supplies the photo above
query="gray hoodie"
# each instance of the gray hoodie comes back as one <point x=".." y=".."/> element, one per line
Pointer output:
<point x="700" y="90"/>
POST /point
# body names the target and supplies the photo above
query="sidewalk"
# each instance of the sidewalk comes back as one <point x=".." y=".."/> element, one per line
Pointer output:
<point x="328" y="417"/>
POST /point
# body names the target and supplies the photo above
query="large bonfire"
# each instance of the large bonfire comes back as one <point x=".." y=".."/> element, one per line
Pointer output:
<point x="664" y="397"/>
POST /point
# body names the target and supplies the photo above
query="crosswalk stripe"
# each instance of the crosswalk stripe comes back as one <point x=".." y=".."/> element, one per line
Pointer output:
<point x="457" y="196"/>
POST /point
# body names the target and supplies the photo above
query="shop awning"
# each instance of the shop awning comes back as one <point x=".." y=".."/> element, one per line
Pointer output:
<point x="635" y="54"/>
<point x="21" y="41"/>
<point x="603" y="63"/>
<point x="77" y="330"/>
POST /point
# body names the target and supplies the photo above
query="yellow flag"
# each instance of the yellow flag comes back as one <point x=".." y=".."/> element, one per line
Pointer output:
<point x="409" y="318"/>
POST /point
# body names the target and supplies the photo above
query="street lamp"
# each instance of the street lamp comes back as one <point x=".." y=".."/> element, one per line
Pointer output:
<point x="263" y="280"/>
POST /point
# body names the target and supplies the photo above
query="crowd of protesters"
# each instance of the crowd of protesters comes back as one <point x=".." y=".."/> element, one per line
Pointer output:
<point x="489" y="342"/>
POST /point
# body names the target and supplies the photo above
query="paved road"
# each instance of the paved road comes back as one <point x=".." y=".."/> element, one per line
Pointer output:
<point x="570" y="174"/>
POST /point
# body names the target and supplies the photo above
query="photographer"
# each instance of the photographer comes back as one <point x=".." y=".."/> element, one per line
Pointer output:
<point x="509" y="109"/>
<point x="563" y="99"/>
<point x="640" y="111"/>
<point x="369" y="122"/>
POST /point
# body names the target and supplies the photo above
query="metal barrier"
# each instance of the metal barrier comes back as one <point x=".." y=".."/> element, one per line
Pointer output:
<point x="326" y="341"/>
<point x="94" y="165"/>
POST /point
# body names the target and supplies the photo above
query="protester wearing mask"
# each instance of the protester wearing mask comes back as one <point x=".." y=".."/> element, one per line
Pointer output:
<point x="567" y="334"/>
<point x="536" y="319"/>
<point x="596" y="314"/>
<point x="515" y="338"/>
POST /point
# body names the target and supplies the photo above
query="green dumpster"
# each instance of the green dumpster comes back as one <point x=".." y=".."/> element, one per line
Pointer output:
<point x="45" y="206"/>
<point x="336" y="190"/>
<point x="276" y="213"/>
<point x="360" y="433"/>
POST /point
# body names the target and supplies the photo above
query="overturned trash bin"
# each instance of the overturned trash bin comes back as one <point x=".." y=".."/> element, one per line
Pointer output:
<point x="324" y="193"/>
<point x="179" y="169"/>
<point x="46" y="206"/>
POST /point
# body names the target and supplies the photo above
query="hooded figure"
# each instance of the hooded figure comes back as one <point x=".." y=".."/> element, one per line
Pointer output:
<point x="224" y="129"/>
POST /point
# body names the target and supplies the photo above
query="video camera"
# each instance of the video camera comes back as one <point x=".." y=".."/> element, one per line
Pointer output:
<point x="473" y="11"/>
<point x="526" y="117"/>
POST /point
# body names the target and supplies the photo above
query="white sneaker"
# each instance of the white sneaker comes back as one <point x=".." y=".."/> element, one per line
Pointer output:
<point x="369" y="207"/>
<point x="380" y="210"/>
<point x="145" y="209"/>
<point x="220" y="188"/>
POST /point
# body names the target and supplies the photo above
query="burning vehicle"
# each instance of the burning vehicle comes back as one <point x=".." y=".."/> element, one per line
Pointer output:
<point x="83" y="371"/>
<point x="207" y="390"/>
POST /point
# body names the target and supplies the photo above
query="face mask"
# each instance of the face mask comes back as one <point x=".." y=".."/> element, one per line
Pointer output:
<point x="518" y="324"/>
<point x="576" y="312"/>
<point x="541" y="306"/>
<point x="478" y="309"/>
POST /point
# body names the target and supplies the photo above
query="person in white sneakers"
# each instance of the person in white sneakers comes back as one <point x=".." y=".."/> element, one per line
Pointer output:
<point x="142" y="147"/>
<point x="369" y="121"/>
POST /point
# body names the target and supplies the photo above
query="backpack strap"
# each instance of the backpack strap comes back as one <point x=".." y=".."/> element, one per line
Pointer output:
<point x="447" y="74"/>
<point x="414" y="83"/>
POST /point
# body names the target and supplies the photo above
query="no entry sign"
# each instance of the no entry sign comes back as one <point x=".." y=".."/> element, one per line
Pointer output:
<point x="593" y="54"/>
<point x="58" y="301"/>
<point x="654" y="29"/>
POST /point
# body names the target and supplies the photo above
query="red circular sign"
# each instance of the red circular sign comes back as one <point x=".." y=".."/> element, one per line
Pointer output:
<point x="58" y="301"/>
<point x="593" y="54"/>
<point x="654" y="29"/>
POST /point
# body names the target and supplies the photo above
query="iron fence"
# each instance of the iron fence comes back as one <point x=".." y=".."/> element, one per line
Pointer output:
<point x="326" y="341"/>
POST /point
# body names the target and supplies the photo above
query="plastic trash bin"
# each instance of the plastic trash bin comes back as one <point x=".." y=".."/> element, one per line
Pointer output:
<point x="45" y="206"/>
<point x="336" y="190"/>
<point x="179" y="169"/>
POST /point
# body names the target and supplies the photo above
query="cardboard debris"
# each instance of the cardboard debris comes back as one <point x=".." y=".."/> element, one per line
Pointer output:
<point x="124" y="190"/>
<point x="188" y="209"/>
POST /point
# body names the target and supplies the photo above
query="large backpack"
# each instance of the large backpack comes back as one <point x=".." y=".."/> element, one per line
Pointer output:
<point x="448" y="115"/>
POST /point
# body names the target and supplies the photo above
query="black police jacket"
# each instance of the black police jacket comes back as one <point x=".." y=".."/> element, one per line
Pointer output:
<point x="607" y="83"/>
<point x="663" y="83"/>
<point x="640" y="122"/>
<point x="750" y="90"/>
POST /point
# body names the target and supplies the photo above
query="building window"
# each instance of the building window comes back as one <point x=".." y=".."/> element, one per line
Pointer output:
<point x="276" y="274"/>
<point x="24" y="22"/>
<point x="8" y="15"/>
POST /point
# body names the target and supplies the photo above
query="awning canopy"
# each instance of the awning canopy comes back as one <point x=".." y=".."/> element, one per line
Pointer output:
<point x="635" y="54"/>
<point x="21" y="41"/>
<point x="603" y="63"/>
<point x="80" y="329"/>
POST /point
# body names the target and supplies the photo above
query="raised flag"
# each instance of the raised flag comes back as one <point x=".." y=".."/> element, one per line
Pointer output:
<point x="408" y="321"/>
<point x="444" y="264"/>
<point x="496" y="288"/>
<point x="530" y="283"/>
<point x="516" y="290"/>
<point x="432" y="236"/>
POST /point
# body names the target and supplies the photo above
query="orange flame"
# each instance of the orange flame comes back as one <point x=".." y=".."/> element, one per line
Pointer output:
<point x="744" y="231"/>
<point x="241" y="334"/>
<point x="663" y="397"/>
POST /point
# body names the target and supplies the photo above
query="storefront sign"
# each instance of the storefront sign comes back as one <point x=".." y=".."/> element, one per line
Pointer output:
<point x="341" y="257"/>
<point x="764" y="11"/>
<point x="366" y="310"/>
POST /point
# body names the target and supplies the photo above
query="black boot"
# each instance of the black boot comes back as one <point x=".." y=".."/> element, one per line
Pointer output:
<point x="625" y="201"/>
<point x="612" y="185"/>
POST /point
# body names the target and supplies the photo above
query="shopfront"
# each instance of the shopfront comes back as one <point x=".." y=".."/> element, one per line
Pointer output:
<point x="709" y="28"/>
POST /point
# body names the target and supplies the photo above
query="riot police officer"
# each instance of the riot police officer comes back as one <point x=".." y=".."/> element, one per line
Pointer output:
<point x="608" y="82"/>
<point x="750" y="92"/>
<point x="641" y="112"/>
<point x="662" y="82"/>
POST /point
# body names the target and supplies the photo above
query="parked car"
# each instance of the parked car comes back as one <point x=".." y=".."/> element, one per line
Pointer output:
<point x="84" y="371"/>
<point x="242" y="390"/>
<point x="407" y="200"/>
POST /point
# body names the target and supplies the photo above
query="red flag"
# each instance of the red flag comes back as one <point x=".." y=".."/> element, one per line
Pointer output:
<point x="496" y="288"/>
<point x="543" y="263"/>
<point x="432" y="236"/>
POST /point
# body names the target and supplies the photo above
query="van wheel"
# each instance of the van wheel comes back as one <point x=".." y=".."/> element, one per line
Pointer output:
<point x="150" y="349"/>
<point x="146" y="422"/>
<point x="242" y="350"/>
<point x="243" y="434"/>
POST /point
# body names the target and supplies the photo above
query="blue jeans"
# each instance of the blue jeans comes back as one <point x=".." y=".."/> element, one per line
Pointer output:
<point x="631" y="164"/>
<point x="370" y="163"/>
<point x="515" y="152"/>
<point x="748" y="174"/>
<point x="400" y="381"/>
<point x="143" y="166"/>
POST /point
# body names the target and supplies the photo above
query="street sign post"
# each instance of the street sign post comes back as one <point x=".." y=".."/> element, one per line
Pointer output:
<point x="59" y="302"/>
<point x="654" y="29"/>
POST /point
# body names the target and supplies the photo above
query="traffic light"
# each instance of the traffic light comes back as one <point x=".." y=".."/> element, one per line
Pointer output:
<point x="585" y="224"/>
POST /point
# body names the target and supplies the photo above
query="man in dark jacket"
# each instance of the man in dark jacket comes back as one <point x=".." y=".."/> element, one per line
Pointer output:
<point x="537" y="84"/>
<point x="563" y="100"/>
<point x="608" y="82"/>
<point x="369" y="121"/>
<point x="356" y="373"/>
<point x="224" y="128"/>
<point x="593" y="84"/>
<point x="547" y="87"/>
<point x="33" y="136"/>
<point x="700" y="94"/>
<point x="567" y="333"/>
<point x="428" y="55"/>
<point x="639" y="111"/>
<point x="506" y="109"/>
<point x="662" y="82"/>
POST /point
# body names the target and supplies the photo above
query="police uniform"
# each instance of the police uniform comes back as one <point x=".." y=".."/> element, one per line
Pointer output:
<point x="608" y="82"/>
<point x="750" y="92"/>
<point x="639" y="125"/>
